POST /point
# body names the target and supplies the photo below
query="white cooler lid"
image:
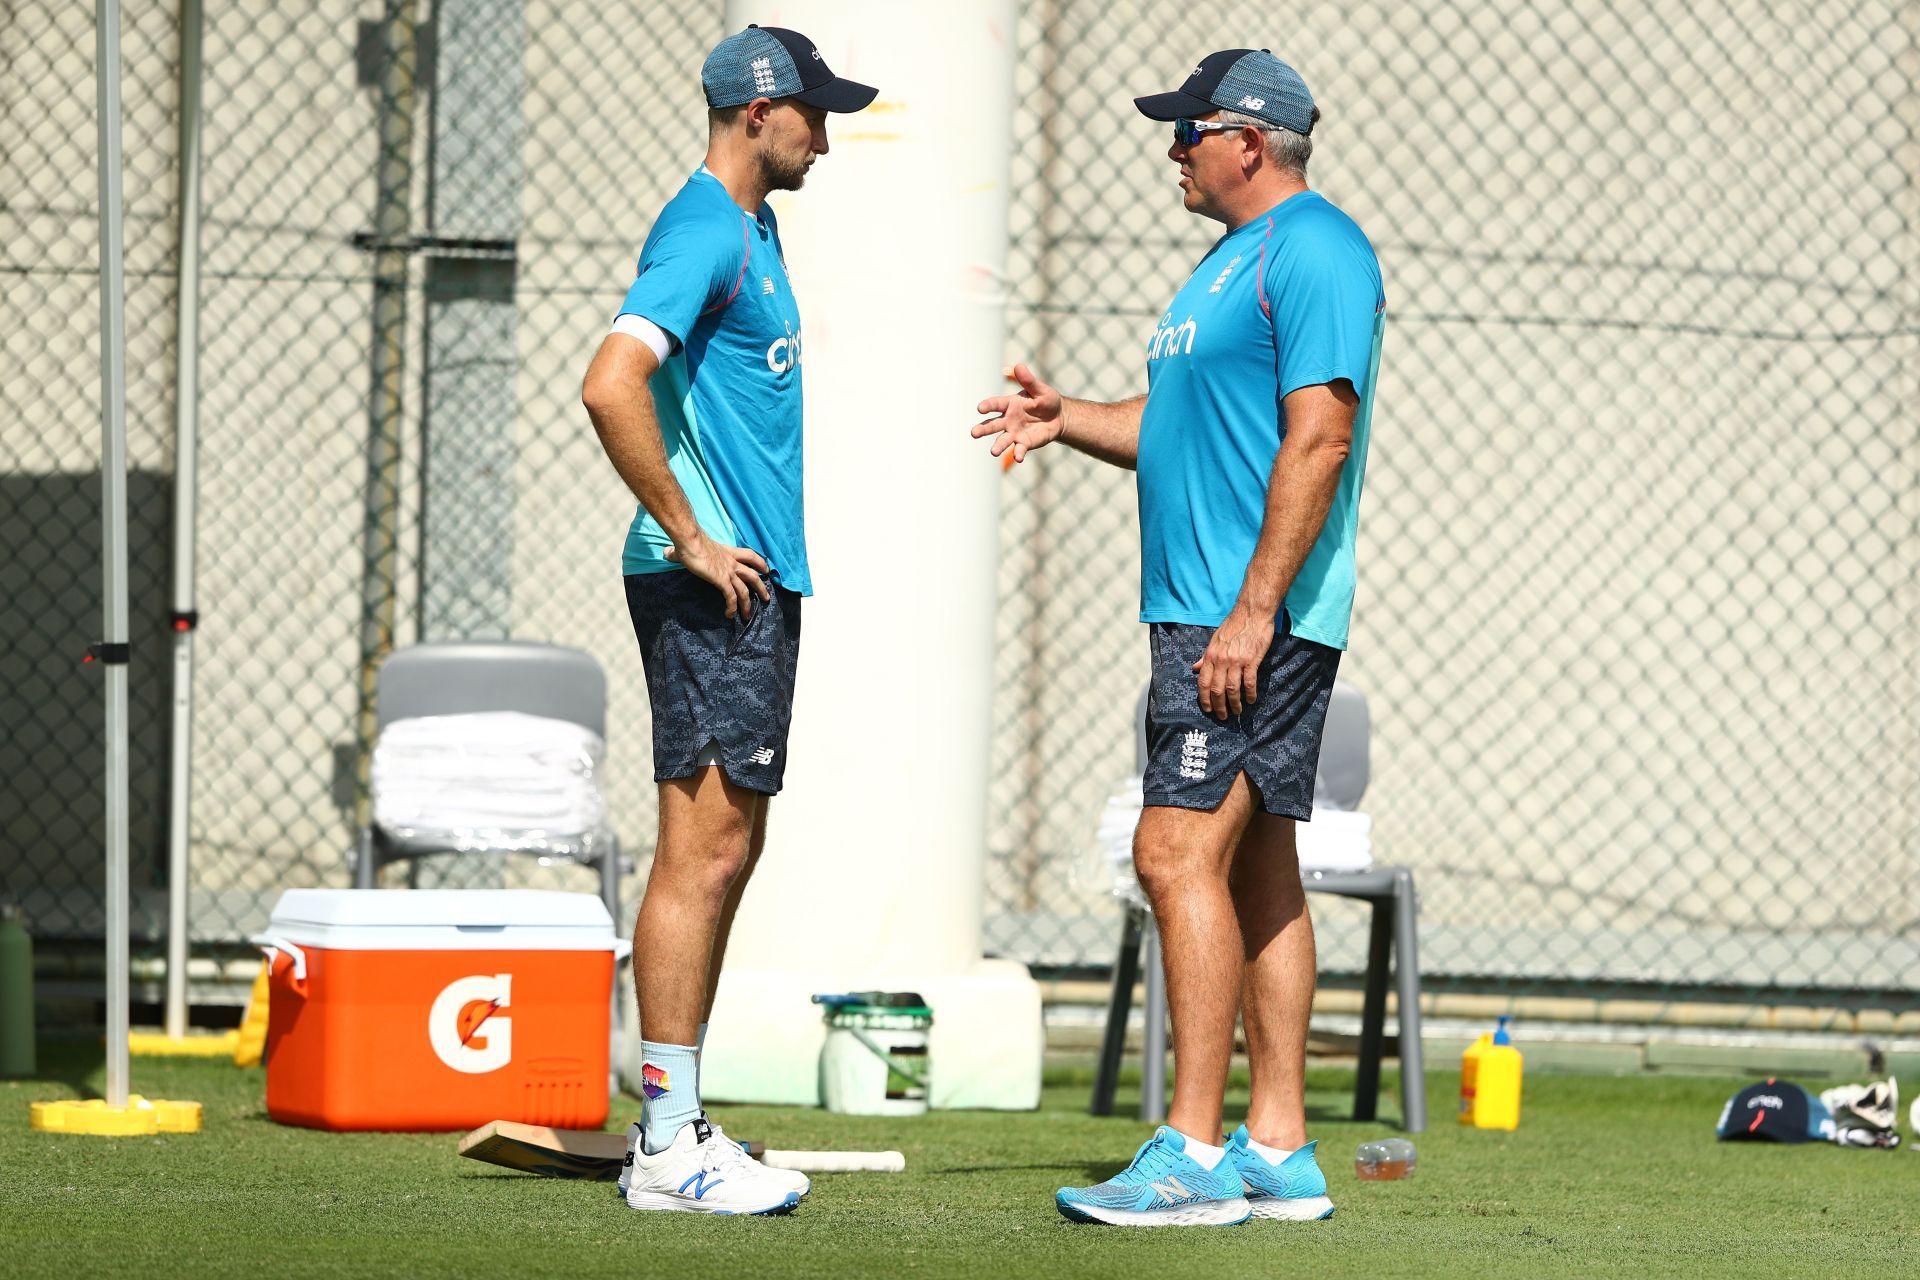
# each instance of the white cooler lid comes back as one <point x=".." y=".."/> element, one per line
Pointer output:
<point x="442" y="920"/>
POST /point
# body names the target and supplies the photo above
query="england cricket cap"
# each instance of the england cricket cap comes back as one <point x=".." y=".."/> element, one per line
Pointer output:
<point x="773" y="62"/>
<point x="1774" y="1111"/>
<point x="1250" y="81"/>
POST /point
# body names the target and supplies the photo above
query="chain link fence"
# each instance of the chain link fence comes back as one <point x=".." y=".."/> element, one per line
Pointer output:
<point x="1638" y="617"/>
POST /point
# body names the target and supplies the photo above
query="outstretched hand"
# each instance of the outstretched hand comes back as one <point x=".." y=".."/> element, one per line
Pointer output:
<point x="736" y="571"/>
<point x="1022" y="420"/>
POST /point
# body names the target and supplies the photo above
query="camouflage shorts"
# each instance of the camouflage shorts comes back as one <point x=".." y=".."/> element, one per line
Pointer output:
<point x="715" y="681"/>
<point x="1192" y="759"/>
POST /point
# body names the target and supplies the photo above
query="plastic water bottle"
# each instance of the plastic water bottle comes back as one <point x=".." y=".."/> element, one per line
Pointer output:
<point x="1490" y="1073"/>
<point x="1384" y="1160"/>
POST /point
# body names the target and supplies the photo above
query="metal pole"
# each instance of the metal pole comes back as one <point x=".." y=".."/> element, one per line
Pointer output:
<point x="1153" y="1056"/>
<point x="113" y="519"/>
<point x="380" y="584"/>
<point x="186" y="473"/>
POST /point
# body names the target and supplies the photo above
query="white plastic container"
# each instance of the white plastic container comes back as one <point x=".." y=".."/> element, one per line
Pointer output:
<point x="875" y="1060"/>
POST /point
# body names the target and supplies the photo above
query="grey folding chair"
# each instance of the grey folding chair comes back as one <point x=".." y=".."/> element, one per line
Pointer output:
<point x="1345" y="769"/>
<point x="508" y="675"/>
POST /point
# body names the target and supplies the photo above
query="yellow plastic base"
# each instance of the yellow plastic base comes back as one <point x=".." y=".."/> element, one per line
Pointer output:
<point x="250" y="1041"/>
<point x="156" y="1044"/>
<point x="140" y="1116"/>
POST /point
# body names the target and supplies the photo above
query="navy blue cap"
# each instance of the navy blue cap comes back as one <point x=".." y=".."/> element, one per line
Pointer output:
<point x="1250" y="81"/>
<point x="773" y="62"/>
<point x="1774" y="1111"/>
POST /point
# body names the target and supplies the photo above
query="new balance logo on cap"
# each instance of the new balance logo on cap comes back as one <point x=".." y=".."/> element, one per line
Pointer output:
<point x="1252" y="103"/>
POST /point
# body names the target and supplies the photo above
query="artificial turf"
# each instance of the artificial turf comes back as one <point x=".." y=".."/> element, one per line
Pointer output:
<point x="1606" y="1176"/>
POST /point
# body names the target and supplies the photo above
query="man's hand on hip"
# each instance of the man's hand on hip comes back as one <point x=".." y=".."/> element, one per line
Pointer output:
<point x="735" y="571"/>
<point x="1023" y="421"/>
<point x="1229" y="671"/>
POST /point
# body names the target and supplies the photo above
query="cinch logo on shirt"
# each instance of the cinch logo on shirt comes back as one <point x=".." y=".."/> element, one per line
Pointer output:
<point x="784" y="354"/>
<point x="1166" y="339"/>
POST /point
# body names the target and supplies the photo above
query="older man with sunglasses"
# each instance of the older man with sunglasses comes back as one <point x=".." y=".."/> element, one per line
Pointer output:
<point x="1249" y="448"/>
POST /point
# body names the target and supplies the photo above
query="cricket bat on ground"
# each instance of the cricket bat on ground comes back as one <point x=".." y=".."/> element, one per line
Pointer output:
<point x="592" y="1156"/>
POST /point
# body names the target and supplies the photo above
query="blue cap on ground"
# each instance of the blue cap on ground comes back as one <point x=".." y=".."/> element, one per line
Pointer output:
<point x="1775" y="1111"/>
<point x="773" y="62"/>
<point x="1250" y="81"/>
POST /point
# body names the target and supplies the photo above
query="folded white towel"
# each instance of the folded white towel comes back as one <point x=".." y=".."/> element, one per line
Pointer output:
<point x="488" y="779"/>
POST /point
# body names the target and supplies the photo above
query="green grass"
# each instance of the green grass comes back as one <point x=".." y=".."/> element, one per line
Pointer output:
<point x="1606" y="1176"/>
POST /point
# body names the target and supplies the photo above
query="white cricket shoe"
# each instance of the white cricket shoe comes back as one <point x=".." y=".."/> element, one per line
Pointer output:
<point x="703" y="1172"/>
<point x="795" y="1180"/>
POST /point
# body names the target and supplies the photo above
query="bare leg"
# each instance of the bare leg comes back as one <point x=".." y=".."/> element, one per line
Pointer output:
<point x="1277" y="996"/>
<point x="706" y="830"/>
<point x="731" y="908"/>
<point x="1183" y="856"/>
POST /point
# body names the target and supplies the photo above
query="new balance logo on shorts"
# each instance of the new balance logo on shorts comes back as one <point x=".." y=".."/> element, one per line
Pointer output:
<point x="1193" y="755"/>
<point x="763" y="756"/>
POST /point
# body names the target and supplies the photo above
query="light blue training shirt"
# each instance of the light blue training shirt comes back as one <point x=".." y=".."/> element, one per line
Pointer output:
<point x="728" y="397"/>
<point x="1292" y="299"/>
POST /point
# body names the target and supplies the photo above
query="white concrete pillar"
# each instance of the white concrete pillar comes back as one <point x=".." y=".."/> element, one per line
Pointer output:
<point x="874" y="870"/>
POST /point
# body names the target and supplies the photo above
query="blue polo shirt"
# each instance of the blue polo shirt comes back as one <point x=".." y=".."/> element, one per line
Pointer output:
<point x="1292" y="299"/>
<point x="728" y="397"/>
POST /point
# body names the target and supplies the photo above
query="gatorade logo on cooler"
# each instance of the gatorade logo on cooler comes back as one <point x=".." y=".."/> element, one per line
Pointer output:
<point x="465" y="1025"/>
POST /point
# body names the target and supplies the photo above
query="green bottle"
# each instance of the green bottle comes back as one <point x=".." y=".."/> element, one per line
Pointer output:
<point x="16" y="995"/>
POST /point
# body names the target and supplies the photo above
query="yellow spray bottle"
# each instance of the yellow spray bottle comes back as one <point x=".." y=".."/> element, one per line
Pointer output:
<point x="1490" y="1082"/>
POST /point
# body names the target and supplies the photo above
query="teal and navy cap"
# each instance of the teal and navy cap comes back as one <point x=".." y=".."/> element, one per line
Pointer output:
<point x="1250" y="81"/>
<point x="773" y="62"/>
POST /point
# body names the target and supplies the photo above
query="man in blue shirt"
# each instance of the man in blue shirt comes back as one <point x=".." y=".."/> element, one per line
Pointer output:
<point x="695" y="395"/>
<point x="1249" y="448"/>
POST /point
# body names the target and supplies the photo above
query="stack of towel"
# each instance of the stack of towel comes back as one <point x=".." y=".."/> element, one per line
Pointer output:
<point x="489" y="780"/>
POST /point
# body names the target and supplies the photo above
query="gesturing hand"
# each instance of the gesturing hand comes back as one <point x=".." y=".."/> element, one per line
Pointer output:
<point x="1229" y="671"/>
<point x="736" y="571"/>
<point x="1023" y="420"/>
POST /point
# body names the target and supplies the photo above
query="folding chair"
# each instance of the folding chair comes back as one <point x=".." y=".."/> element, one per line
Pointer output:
<point x="1345" y="769"/>
<point x="455" y="679"/>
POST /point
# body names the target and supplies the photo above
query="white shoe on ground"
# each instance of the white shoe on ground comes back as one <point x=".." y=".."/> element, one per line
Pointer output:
<point x="795" y="1180"/>
<point x="703" y="1172"/>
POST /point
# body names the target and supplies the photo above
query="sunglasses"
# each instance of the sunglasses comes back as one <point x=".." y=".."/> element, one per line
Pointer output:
<point x="1187" y="132"/>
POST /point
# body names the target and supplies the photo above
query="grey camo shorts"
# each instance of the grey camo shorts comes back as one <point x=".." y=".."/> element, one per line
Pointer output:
<point x="1192" y="759"/>
<point x="714" y="681"/>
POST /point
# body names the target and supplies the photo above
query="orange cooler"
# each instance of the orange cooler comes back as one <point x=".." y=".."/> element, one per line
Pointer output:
<point x="438" y="1010"/>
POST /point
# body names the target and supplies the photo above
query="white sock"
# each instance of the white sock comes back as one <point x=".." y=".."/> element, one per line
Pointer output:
<point x="700" y="1038"/>
<point x="1272" y="1155"/>
<point x="1206" y="1157"/>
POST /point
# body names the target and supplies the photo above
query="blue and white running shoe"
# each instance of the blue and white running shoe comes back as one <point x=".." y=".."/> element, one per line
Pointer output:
<point x="1163" y="1187"/>
<point x="1292" y="1191"/>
